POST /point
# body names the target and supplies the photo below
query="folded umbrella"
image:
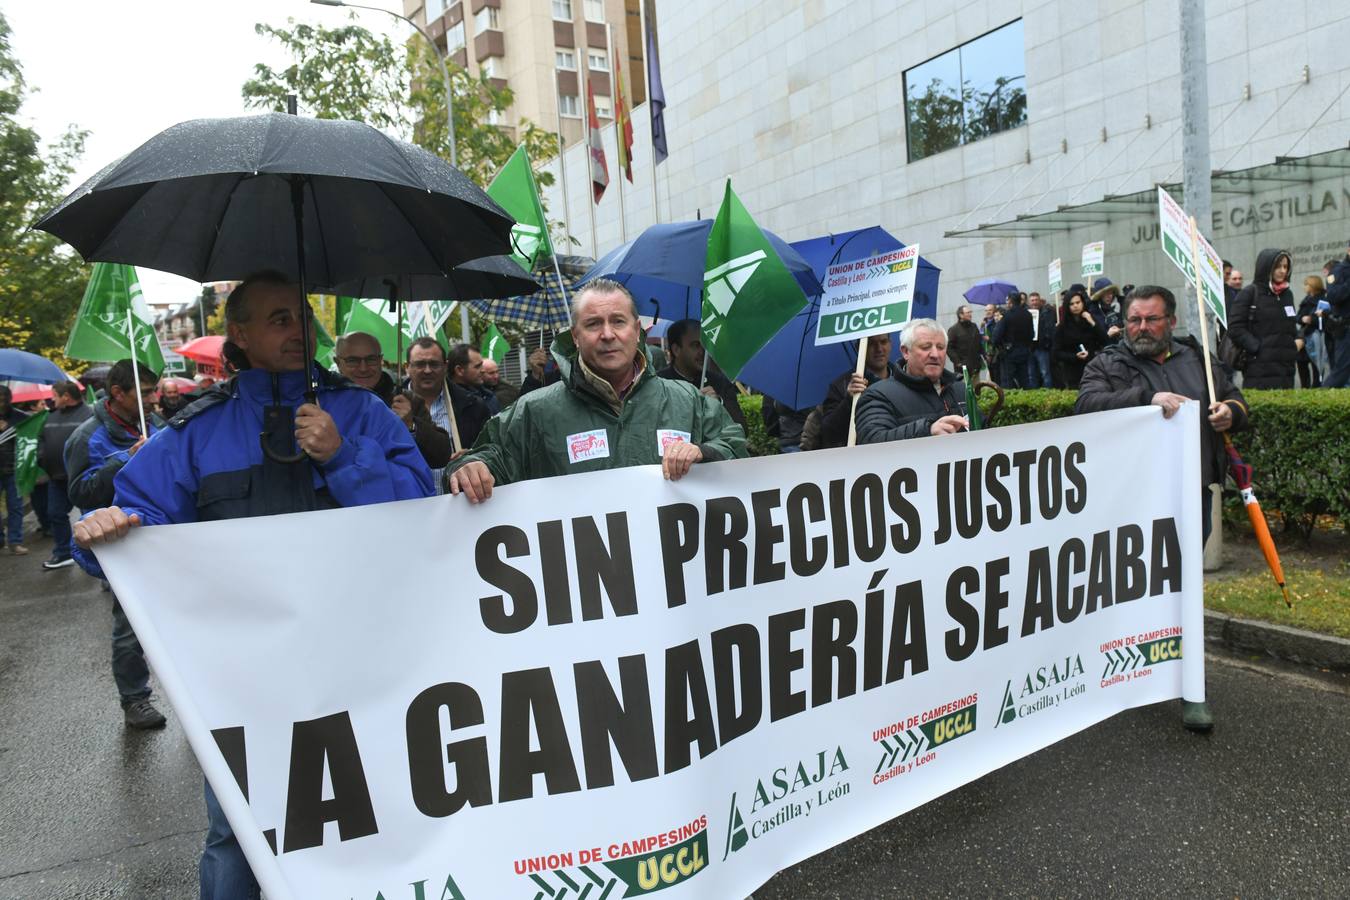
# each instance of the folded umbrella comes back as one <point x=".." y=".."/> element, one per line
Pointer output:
<point x="1242" y="474"/>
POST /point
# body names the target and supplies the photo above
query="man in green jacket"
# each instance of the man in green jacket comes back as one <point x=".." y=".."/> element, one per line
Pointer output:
<point x="609" y="410"/>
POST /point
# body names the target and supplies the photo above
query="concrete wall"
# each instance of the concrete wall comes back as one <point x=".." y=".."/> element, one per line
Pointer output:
<point x="800" y="104"/>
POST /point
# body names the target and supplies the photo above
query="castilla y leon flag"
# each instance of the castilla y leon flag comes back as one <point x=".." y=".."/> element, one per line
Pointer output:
<point x="623" y="126"/>
<point x="599" y="171"/>
<point x="514" y="189"/>
<point x="748" y="294"/>
<point x="111" y="312"/>
<point x="494" y="346"/>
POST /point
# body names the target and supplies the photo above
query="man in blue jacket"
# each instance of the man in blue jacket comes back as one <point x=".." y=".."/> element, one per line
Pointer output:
<point x="208" y="465"/>
<point x="93" y="454"/>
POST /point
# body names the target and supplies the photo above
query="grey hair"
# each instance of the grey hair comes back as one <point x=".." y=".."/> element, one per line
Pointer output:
<point x="907" y="337"/>
<point x="342" y="341"/>
<point x="600" y="286"/>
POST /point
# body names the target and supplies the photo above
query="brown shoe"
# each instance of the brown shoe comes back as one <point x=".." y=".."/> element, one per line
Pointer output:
<point x="17" y="550"/>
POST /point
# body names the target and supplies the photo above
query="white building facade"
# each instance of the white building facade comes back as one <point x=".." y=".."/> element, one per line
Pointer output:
<point x="804" y="106"/>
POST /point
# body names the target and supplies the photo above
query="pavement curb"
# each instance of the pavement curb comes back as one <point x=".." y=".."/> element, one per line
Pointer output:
<point x="1279" y="641"/>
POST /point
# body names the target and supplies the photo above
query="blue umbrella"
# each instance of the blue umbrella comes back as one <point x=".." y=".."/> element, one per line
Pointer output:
<point x="791" y="368"/>
<point x="20" y="365"/>
<point x="663" y="268"/>
<point x="990" y="291"/>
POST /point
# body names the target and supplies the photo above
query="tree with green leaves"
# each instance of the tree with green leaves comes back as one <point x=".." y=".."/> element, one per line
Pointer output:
<point x="348" y="72"/>
<point x="41" y="279"/>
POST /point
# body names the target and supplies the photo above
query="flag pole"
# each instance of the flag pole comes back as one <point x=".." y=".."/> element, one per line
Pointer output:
<point x="136" y="370"/>
<point x="853" y="406"/>
<point x="1200" y="302"/>
<point x="618" y="126"/>
<point x="450" y="412"/>
<point x="590" y="194"/>
<point x="647" y="86"/>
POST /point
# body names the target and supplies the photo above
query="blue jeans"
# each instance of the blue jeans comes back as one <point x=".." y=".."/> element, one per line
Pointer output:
<point x="128" y="659"/>
<point x="58" y="515"/>
<point x="1038" y="369"/>
<point x="14" y="510"/>
<point x="224" y="872"/>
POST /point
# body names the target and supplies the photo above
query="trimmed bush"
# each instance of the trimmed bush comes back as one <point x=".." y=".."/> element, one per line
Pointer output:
<point x="761" y="444"/>
<point x="1295" y="446"/>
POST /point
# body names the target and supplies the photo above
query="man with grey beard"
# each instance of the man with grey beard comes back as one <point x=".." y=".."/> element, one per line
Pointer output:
<point x="1152" y="366"/>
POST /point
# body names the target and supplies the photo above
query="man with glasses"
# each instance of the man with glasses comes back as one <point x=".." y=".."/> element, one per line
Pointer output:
<point x="1152" y="366"/>
<point x="427" y="370"/>
<point x="359" y="358"/>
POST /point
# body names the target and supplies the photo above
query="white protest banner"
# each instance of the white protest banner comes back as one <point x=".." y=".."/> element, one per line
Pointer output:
<point x="173" y="363"/>
<point x="1176" y="243"/>
<point x="678" y="686"/>
<point x="868" y="296"/>
<point x="1055" y="272"/>
<point x="1094" y="258"/>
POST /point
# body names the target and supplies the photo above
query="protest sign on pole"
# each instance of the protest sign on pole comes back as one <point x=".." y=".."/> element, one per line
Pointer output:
<point x="1094" y="259"/>
<point x="173" y="363"/>
<point x="868" y="296"/>
<point x="1175" y="231"/>
<point x="1055" y="273"/>
<point x="676" y="686"/>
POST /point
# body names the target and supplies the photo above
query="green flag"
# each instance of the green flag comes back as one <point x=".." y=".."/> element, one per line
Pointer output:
<point x="89" y="396"/>
<point x="323" y="351"/>
<point x="374" y="317"/>
<point x="494" y="345"/>
<point x="100" y="332"/>
<point x="25" y="452"/>
<point x="515" y="192"/>
<point x="748" y="294"/>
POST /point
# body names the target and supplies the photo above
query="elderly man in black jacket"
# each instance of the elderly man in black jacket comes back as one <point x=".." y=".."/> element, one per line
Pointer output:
<point x="1151" y="366"/>
<point x="922" y="398"/>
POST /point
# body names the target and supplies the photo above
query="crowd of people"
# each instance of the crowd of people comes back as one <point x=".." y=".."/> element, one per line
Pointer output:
<point x="601" y="399"/>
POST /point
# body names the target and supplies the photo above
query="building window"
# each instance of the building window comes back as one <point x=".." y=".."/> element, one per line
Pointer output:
<point x="968" y="93"/>
<point x="491" y="67"/>
<point x="494" y="117"/>
<point x="486" y="19"/>
<point x="565" y="59"/>
<point x="562" y="9"/>
<point x="435" y="9"/>
<point x="568" y="106"/>
<point x="454" y="37"/>
<point x="595" y="10"/>
<point x="603" y="108"/>
<point x="597" y="60"/>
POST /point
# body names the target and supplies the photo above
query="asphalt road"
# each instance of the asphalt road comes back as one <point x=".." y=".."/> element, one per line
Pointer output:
<point x="1135" y="806"/>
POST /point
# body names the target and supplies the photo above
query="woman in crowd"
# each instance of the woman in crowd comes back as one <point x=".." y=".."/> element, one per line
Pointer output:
<point x="1263" y="321"/>
<point x="1079" y="338"/>
<point x="1312" y="359"/>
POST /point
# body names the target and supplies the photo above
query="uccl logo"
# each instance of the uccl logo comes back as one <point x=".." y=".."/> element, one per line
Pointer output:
<point x="722" y="285"/>
<point x="1043" y="688"/>
<point x="795" y="791"/>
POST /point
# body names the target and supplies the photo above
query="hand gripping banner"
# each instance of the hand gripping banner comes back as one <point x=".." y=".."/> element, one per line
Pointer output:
<point x="610" y="685"/>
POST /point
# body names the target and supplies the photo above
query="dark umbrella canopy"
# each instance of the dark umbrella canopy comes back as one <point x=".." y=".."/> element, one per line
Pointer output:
<point x="211" y="200"/>
<point x="491" y="276"/>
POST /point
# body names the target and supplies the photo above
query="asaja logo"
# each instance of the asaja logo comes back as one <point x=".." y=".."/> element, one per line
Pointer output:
<point x="791" y="792"/>
<point x="525" y="239"/>
<point x="722" y="284"/>
<point x="1042" y="688"/>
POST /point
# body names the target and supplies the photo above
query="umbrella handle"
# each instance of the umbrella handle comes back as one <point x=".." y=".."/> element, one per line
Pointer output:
<point x="279" y="457"/>
<point x="998" y="401"/>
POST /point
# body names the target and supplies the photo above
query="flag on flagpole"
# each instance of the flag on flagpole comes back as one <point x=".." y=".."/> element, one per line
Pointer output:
<point x="623" y="126"/>
<point x="426" y="319"/>
<point x="494" y="346"/>
<point x="25" y="452"/>
<point x="748" y="294"/>
<point x="515" y="191"/>
<point x="375" y="318"/>
<point x="100" y="333"/>
<point x="599" y="171"/>
<point x="656" y="96"/>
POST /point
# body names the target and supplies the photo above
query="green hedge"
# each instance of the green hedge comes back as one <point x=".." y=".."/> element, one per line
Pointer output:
<point x="1295" y="447"/>
<point x="1298" y="445"/>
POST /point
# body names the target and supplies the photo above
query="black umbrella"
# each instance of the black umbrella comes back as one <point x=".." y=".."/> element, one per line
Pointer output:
<point x="489" y="277"/>
<point x="324" y="199"/>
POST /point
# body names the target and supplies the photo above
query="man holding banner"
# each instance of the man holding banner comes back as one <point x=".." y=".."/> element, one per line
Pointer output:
<point x="211" y="465"/>
<point x="610" y="409"/>
<point x="921" y="398"/>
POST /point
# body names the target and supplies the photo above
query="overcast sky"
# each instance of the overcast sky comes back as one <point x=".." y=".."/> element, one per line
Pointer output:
<point x="127" y="70"/>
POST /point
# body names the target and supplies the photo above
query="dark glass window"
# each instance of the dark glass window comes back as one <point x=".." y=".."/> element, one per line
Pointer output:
<point x="973" y="91"/>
